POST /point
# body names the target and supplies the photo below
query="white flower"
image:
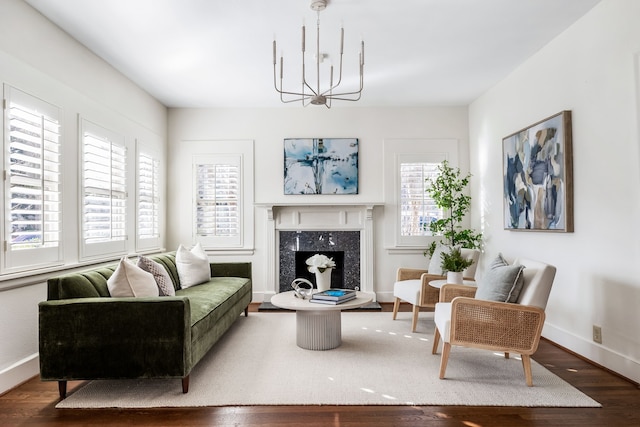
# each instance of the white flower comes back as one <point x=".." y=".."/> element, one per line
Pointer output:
<point x="319" y="263"/>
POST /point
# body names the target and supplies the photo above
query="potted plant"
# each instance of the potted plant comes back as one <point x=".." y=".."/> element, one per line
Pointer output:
<point x="453" y="263"/>
<point x="447" y="190"/>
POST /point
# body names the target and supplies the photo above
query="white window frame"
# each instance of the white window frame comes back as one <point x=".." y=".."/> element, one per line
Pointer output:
<point x="183" y="183"/>
<point x="153" y="242"/>
<point x="396" y="152"/>
<point x="24" y="259"/>
<point x="117" y="246"/>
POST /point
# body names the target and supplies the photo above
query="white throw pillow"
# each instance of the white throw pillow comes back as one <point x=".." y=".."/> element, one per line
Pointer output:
<point x="193" y="266"/>
<point x="129" y="280"/>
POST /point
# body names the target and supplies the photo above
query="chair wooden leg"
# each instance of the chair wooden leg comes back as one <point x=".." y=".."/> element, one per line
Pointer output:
<point x="436" y="341"/>
<point x="396" y="307"/>
<point x="414" y="322"/>
<point x="526" y="364"/>
<point x="446" y="347"/>
<point x="506" y="354"/>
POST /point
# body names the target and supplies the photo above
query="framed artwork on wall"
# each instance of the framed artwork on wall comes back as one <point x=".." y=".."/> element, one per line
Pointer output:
<point x="321" y="166"/>
<point x="538" y="176"/>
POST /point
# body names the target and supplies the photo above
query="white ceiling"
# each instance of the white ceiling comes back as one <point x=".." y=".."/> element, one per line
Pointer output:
<point x="218" y="53"/>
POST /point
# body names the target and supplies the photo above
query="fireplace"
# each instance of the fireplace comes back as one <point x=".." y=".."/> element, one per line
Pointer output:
<point x="297" y="246"/>
<point x="318" y="228"/>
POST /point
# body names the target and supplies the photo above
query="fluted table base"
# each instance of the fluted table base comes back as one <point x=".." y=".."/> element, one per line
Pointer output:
<point x="318" y="326"/>
<point x="318" y="330"/>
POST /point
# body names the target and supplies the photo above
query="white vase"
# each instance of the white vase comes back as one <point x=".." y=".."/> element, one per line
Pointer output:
<point x="454" y="277"/>
<point x="323" y="280"/>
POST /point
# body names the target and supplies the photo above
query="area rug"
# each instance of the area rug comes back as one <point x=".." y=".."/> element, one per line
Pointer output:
<point x="379" y="362"/>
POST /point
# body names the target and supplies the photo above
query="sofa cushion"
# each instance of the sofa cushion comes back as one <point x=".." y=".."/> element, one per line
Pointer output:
<point x="193" y="266"/>
<point x="129" y="280"/>
<point x="210" y="303"/>
<point x="501" y="282"/>
<point x="160" y="275"/>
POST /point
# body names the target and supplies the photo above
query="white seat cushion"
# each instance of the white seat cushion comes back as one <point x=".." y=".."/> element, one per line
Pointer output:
<point x="408" y="290"/>
<point x="442" y="319"/>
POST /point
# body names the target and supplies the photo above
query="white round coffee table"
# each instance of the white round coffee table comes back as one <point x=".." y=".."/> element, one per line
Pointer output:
<point x="318" y="326"/>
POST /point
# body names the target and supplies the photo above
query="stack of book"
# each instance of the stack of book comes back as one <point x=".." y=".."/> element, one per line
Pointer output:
<point x="333" y="296"/>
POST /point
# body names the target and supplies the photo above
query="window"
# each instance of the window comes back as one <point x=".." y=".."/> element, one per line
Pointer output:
<point x="104" y="191"/>
<point x="214" y="178"/>
<point x="32" y="182"/>
<point x="217" y="200"/>
<point x="408" y="164"/>
<point x="417" y="209"/>
<point x="148" y="200"/>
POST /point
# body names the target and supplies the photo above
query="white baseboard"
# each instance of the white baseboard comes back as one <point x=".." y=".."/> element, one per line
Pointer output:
<point x="19" y="372"/>
<point x="597" y="353"/>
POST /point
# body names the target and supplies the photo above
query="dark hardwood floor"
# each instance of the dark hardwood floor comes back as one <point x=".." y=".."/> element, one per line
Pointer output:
<point x="33" y="404"/>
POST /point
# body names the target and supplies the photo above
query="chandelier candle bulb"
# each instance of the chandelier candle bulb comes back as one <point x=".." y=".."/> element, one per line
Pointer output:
<point x="341" y="40"/>
<point x="274" y="52"/>
<point x="303" y="37"/>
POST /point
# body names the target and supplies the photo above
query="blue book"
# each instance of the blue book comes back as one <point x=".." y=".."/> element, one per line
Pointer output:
<point x="335" y="294"/>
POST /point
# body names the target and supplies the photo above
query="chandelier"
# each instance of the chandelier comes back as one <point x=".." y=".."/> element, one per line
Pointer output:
<point x="310" y="94"/>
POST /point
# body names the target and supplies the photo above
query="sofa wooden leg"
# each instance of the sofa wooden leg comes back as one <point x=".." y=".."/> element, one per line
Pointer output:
<point x="62" y="389"/>
<point x="185" y="384"/>
<point x="246" y="311"/>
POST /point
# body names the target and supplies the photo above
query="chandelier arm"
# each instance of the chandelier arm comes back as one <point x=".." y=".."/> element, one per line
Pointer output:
<point x="358" y="92"/>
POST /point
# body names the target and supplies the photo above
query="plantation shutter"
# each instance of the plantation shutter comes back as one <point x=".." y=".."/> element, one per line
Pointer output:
<point x="32" y="181"/>
<point x="148" y="197"/>
<point x="104" y="191"/>
<point x="217" y="201"/>
<point x="417" y="209"/>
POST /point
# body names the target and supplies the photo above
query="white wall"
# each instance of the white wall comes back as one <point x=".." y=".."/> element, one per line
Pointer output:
<point x="590" y="69"/>
<point x="269" y="127"/>
<point x="38" y="58"/>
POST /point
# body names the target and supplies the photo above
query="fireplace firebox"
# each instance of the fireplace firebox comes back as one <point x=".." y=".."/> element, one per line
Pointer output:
<point x="297" y="246"/>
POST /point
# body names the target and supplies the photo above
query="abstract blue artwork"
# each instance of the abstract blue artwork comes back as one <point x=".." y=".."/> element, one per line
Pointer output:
<point x="538" y="176"/>
<point x="321" y="166"/>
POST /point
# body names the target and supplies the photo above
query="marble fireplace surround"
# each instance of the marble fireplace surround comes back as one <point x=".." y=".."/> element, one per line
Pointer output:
<point x="320" y="217"/>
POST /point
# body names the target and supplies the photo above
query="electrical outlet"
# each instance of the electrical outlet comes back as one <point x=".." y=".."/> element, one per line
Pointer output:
<point x="597" y="334"/>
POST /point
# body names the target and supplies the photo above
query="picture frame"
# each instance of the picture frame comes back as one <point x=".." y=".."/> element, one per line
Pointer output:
<point x="538" y="176"/>
<point x="320" y="166"/>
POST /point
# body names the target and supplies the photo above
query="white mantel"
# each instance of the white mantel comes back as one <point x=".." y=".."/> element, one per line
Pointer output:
<point x="303" y="217"/>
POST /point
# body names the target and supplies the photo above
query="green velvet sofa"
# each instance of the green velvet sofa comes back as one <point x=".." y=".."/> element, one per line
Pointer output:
<point x="86" y="334"/>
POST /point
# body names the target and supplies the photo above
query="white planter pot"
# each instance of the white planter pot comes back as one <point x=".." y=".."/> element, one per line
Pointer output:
<point x="323" y="280"/>
<point x="454" y="277"/>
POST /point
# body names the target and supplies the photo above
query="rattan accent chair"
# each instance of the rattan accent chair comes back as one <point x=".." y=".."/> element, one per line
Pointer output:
<point x="462" y="320"/>
<point x="412" y="286"/>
